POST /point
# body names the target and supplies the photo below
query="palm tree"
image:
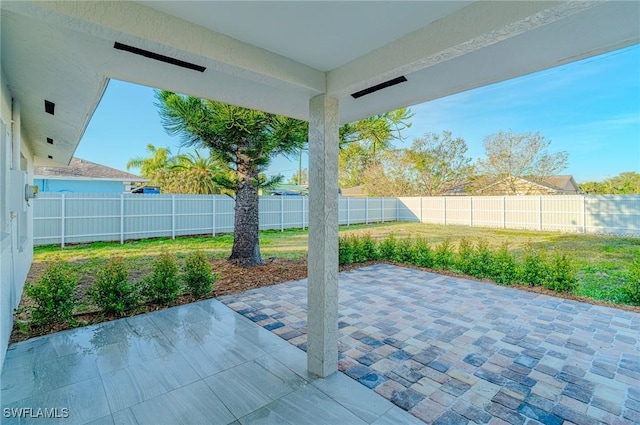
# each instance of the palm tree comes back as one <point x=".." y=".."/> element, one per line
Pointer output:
<point x="159" y="160"/>
<point x="199" y="175"/>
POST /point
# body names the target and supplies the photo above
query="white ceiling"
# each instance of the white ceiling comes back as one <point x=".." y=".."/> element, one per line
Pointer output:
<point x="275" y="56"/>
<point x="321" y="34"/>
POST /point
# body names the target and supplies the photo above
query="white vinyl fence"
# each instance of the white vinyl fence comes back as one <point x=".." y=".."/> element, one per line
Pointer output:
<point x="70" y="218"/>
<point x="81" y="217"/>
<point x="611" y="214"/>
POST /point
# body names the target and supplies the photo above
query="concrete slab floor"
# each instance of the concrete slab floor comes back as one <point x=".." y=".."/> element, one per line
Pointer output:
<point x="200" y="363"/>
<point x="456" y="351"/>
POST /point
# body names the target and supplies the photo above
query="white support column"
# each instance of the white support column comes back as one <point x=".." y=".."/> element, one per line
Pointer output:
<point x="322" y="292"/>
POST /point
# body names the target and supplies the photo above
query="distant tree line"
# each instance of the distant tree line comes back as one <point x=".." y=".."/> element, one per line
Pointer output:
<point x="437" y="164"/>
<point x="626" y="183"/>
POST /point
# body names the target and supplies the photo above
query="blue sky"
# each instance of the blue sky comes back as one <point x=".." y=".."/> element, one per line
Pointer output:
<point x="589" y="108"/>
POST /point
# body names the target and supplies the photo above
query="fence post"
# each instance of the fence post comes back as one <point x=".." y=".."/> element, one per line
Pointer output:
<point x="302" y="210"/>
<point x="62" y="214"/>
<point x="282" y="213"/>
<point x="540" y="213"/>
<point x="584" y="214"/>
<point x="121" y="218"/>
<point x="173" y="216"/>
<point x="421" y="210"/>
<point x="366" y="210"/>
<point x="504" y="212"/>
<point x="213" y="216"/>
<point x="382" y="210"/>
<point x="445" y="210"/>
<point x="348" y="211"/>
<point x="471" y="210"/>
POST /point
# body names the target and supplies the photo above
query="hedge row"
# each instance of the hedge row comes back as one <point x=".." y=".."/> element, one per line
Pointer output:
<point x="54" y="295"/>
<point x="536" y="268"/>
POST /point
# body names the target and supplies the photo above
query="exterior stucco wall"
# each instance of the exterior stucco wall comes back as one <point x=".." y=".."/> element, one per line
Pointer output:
<point x="86" y="186"/>
<point x="16" y="217"/>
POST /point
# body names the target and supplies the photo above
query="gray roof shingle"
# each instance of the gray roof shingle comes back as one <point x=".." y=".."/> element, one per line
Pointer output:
<point x="81" y="168"/>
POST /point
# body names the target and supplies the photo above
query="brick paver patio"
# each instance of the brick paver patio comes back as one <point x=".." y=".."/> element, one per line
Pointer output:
<point x="456" y="351"/>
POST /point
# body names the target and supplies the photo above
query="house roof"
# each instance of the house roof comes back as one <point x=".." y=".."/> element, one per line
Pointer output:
<point x="276" y="56"/>
<point x="81" y="169"/>
<point x="565" y="182"/>
<point x="562" y="184"/>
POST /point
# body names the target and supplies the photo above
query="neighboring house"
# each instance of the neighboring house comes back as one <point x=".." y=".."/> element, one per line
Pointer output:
<point x="552" y="185"/>
<point x="356" y="191"/>
<point x="84" y="176"/>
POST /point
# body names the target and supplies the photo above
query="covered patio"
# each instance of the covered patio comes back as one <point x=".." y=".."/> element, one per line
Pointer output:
<point x="326" y="62"/>
<point x="200" y="363"/>
<point x="414" y="347"/>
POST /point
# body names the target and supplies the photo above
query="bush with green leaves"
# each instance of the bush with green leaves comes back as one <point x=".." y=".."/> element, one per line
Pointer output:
<point x="162" y="286"/>
<point x="198" y="276"/>
<point x="421" y="253"/>
<point x="560" y="274"/>
<point x="443" y="256"/>
<point x="534" y="269"/>
<point x="54" y="295"/>
<point x="112" y="292"/>
<point x="403" y="251"/>
<point x="345" y="250"/>
<point x="369" y="248"/>
<point x="464" y="259"/>
<point x="387" y="248"/>
<point x="359" y="253"/>
<point x="482" y="260"/>
<point x="505" y="267"/>
<point x="632" y="288"/>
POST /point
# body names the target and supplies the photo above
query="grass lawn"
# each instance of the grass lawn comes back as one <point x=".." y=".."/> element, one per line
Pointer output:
<point x="601" y="261"/>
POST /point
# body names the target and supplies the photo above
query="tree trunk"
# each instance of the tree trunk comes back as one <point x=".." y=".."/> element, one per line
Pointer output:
<point x="246" y="231"/>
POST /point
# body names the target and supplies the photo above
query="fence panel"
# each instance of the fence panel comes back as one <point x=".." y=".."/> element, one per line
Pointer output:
<point x="612" y="214"/>
<point x="522" y="212"/>
<point x="488" y="211"/>
<point x="459" y="210"/>
<point x="408" y="209"/>
<point x="80" y="217"/>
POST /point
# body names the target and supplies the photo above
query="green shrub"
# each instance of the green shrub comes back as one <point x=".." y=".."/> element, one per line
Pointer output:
<point x="482" y="260"/>
<point x="370" y="248"/>
<point x="359" y="252"/>
<point x="403" y="251"/>
<point x="443" y="257"/>
<point x="505" y="269"/>
<point x="632" y="287"/>
<point x="560" y="276"/>
<point x="197" y="276"/>
<point x="421" y="254"/>
<point x="387" y="248"/>
<point x="464" y="259"/>
<point x="534" y="269"/>
<point x="53" y="295"/>
<point x="111" y="291"/>
<point x="162" y="286"/>
<point x="345" y="250"/>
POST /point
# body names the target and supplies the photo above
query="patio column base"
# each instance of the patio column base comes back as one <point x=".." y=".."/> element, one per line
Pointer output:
<point x="322" y="292"/>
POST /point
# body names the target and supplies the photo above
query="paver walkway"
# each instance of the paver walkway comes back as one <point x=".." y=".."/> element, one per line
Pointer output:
<point x="456" y="351"/>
